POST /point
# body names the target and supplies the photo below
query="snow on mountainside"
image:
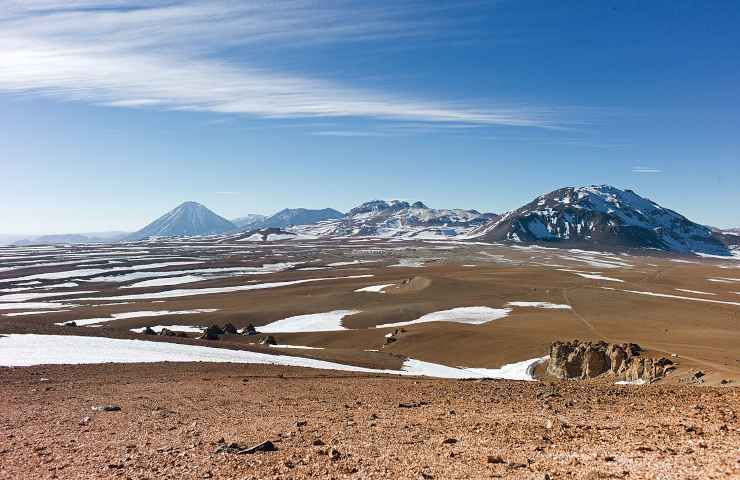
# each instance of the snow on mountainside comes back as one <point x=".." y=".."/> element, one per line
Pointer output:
<point x="249" y="220"/>
<point x="189" y="218"/>
<point x="397" y="218"/>
<point x="298" y="216"/>
<point x="602" y="216"/>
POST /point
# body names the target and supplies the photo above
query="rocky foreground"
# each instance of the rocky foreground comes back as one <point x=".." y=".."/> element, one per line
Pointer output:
<point x="255" y="422"/>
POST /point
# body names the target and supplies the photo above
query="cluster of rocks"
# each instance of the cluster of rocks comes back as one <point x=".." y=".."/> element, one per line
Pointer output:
<point x="582" y="360"/>
<point x="215" y="332"/>
<point x="165" y="332"/>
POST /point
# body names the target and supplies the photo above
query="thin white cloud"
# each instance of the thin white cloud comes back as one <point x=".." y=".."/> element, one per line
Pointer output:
<point x="354" y="133"/>
<point x="228" y="193"/>
<point x="170" y="56"/>
<point x="645" y="170"/>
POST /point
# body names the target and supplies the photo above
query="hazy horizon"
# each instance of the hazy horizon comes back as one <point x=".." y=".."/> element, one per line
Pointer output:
<point x="114" y="112"/>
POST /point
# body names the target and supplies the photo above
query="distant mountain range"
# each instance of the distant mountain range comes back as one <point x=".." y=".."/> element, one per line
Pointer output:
<point x="597" y="216"/>
<point x="396" y="218"/>
<point x="72" y="238"/>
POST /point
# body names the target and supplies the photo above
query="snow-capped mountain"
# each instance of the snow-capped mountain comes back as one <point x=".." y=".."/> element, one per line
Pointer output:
<point x="605" y="217"/>
<point x="298" y="216"/>
<point x="396" y="218"/>
<point x="189" y="218"/>
<point x="249" y="221"/>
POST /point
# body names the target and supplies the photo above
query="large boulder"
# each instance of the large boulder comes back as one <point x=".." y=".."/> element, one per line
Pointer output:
<point x="213" y="332"/>
<point x="581" y="360"/>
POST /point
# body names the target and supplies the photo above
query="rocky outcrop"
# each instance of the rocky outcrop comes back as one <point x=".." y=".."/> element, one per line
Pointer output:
<point x="268" y="340"/>
<point x="582" y="360"/>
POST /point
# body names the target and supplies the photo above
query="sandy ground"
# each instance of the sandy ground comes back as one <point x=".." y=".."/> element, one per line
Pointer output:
<point x="331" y="425"/>
<point x="327" y="425"/>
<point x="701" y="335"/>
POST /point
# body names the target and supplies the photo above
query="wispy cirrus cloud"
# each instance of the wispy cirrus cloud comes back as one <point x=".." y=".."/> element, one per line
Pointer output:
<point x="170" y="56"/>
<point x="646" y="170"/>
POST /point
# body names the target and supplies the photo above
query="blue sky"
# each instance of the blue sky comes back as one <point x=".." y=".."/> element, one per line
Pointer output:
<point x="114" y="111"/>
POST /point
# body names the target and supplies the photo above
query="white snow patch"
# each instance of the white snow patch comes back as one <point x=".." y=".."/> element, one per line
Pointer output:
<point x="23" y="350"/>
<point x="666" y="295"/>
<point x="639" y="381"/>
<point x="375" y="288"/>
<point x="314" y="322"/>
<point x="174" y="328"/>
<point x="409" y="262"/>
<point x="146" y="313"/>
<point x="187" y="292"/>
<point x="297" y="346"/>
<point x="468" y="315"/>
<point x="514" y="371"/>
<point x="22" y="297"/>
<point x="161" y="282"/>
<point x="95" y="271"/>
<point x="694" y="291"/>
<point x="555" y="306"/>
<point x="599" y="277"/>
<point x="34" y="306"/>
<point x="37" y="312"/>
<point x="353" y="262"/>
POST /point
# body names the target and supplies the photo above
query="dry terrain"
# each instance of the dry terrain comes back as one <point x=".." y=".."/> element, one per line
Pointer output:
<point x="173" y="414"/>
<point x="329" y="425"/>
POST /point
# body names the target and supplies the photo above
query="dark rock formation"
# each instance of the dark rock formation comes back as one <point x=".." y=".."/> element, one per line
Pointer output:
<point x="583" y="360"/>
<point x="268" y="340"/>
<point x="249" y="330"/>
<point x="166" y="332"/>
<point x="213" y="332"/>
<point x="230" y="329"/>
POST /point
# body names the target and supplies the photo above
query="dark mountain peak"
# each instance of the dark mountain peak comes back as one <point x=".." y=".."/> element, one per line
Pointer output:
<point x="603" y="216"/>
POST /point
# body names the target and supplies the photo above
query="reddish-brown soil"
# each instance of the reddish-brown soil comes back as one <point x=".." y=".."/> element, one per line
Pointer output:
<point x="173" y="415"/>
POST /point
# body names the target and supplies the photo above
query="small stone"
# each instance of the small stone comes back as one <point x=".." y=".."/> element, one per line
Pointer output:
<point x="449" y="441"/>
<point x="334" y="454"/>
<point x="301" y="423"/>
<point x="85" y="420"/>
<point x="106" y="408"/>
<point x="266" y="446"/>
<point x="495" y="459"/>
<point x="609" y="458"/>
<point x="318" y="442"/>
